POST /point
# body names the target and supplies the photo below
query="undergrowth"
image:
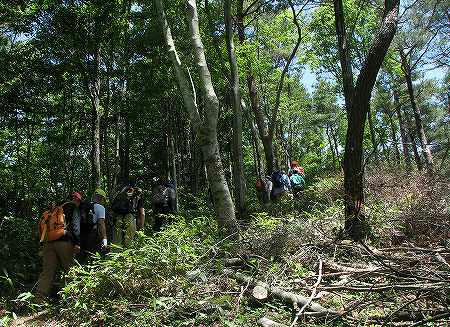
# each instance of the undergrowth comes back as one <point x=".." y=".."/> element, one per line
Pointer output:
<point x="175" y="277"/>
<point x="154" y="274"/>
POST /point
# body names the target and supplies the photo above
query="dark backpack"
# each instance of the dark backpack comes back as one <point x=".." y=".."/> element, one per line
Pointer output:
<point x="297" y="182"/>
<point x="87" y="223"/>
<point x="277" y="178"/>
<point x="126" y="202"/>
<point x="161" y="195"/>
<point x="87" y="218"/>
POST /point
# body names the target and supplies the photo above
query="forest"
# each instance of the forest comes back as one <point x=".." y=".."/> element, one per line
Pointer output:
<point x="224" y="163"/>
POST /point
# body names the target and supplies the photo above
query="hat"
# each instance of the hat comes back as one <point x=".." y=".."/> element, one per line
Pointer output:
<point x="100" y="192"/>
<point x="76" y="195"/>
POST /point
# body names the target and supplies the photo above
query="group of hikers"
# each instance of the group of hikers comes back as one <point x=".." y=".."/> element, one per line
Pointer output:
<point x="271" y="188"/>
<point x="76" y="228"/>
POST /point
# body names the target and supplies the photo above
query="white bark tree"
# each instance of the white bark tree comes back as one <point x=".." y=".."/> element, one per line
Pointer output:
<point x="205" y="128"/>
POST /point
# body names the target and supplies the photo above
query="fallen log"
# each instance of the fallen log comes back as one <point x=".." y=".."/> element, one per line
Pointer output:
<point x="259" y="293"/>
<point x="289" y="297"/>
<point x="233" y="261"/>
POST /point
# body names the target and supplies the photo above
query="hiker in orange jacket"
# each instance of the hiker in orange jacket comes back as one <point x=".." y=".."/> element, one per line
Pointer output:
<point x="60" y="239"/>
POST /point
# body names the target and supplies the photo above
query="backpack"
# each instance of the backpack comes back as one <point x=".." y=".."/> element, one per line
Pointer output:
<point x="297" y="182"/>
<point x="277" y="178"/>
<point x="87" y="222"/>
<point x="259" y="184"/>
<point x="126" y="202"/>
<point x="299" y="170"/>
<point x="161" y="195"/>
<point x="52" y="225"/>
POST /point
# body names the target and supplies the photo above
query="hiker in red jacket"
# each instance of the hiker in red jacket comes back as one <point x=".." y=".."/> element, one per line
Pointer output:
<point x="296" y="168"/>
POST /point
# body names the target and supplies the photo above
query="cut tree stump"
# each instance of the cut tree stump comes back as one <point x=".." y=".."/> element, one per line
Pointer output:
<point x="259" y="293"/>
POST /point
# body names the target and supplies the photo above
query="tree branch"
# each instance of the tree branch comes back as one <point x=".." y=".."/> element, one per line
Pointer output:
<point x="285" y="69"/>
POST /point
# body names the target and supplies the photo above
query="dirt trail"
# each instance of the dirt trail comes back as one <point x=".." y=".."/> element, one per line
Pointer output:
<point x="39" y="319"/>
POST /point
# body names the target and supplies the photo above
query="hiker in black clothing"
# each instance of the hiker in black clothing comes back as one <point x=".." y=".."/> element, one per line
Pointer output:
<point x="163" y="203"/>
<point x="128" y="214"/>
<point x="93" y="228"/>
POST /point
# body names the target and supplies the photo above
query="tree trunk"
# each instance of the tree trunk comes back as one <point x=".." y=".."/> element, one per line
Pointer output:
<point x="336" y="146"/>
<point x="106" y="123"/>
<point x="353" y="172"/>
<point x="372" y="135"/>
<point x="417" y="114"/>
<point x="412" y="138"/>
<point x="206" y="129"/>
<point x="259" y="164"/>
<point x="401" y="124"/>
<point x="357" y="101"/>
<point x="266" y="126"/>
<point x="173" y="168"/>
<point x="96" y="114"/>
<point x="125" y="153"/>
<point x="238" y="166"/>
<point x="260" y="117"/>
<point x="394" y="138"/>
<point x="331" y="145"/>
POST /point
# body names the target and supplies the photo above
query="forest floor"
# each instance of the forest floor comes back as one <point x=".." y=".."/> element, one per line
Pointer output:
<point x="292" y="267"/>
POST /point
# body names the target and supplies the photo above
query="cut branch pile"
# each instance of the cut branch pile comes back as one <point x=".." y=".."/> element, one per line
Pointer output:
<point x="406" y="286"/>
<point x="402" y="279"/>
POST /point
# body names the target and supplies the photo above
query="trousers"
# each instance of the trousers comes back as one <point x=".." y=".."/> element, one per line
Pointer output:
<point x="124" y="229"/>
<point x="54" y="254"/>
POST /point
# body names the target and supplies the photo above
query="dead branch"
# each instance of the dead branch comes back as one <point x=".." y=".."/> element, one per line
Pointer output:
<point x="313" y="294"/>
<point x="341" y="268"/>
<point x="442" y="260"/>
<point x="388" y="287"/>
<point x="434" y="318"/>
<point x="414" y="249"/>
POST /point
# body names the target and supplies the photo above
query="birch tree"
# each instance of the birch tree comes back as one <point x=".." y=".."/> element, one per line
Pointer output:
<point x="205" y="128"/>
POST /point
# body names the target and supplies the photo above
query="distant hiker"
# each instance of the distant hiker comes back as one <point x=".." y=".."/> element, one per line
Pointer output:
<point x="60" y="238"/>
<point x="163" y="203"/>
<point x="296" y="168"/>
<point x="93" y="229"/>
<point x="297" y="183"/>
<point x="281" y="184"/>
<point x="264" y="189"/>
<point x="127" y="204"/>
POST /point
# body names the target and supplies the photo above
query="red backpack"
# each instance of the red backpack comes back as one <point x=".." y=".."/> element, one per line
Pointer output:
<point x="299" y="170"/>
<point x="259" y="184"/>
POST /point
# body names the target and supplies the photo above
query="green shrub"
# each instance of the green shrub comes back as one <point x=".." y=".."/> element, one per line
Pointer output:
<point x="152" y="273"/>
